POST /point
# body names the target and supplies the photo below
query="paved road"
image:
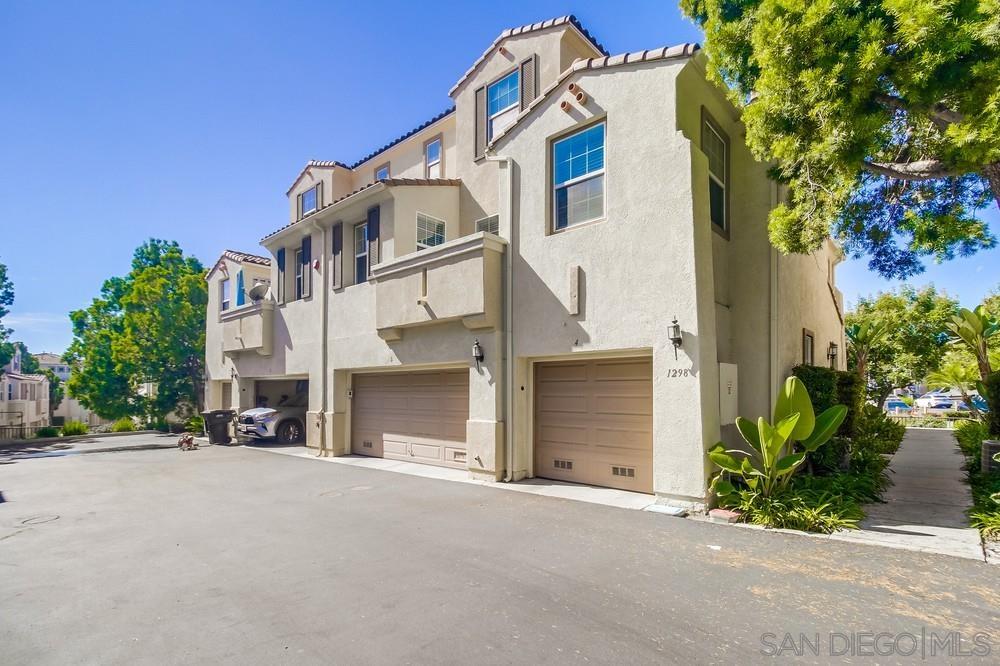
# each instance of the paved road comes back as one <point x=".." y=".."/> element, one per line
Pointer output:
<point x="240" y="556"/>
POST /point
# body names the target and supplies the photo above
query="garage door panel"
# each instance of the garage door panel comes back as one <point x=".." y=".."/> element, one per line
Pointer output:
<point x="593" y="422"/>
<point x="420" y="416"/>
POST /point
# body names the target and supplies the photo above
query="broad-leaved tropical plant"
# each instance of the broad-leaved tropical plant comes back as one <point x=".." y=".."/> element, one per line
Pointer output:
<point x="778" y="449"/>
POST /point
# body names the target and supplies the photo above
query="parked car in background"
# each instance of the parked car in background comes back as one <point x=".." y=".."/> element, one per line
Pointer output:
<point x="284" y="423"/>
<point x="895" y="405"/>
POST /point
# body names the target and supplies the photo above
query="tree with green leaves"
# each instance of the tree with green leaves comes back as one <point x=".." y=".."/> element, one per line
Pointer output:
<point x="882" y="118"/>
<point x="913" y="344"/>
<point x="975" y="329"/>
<point x="56" y="391"/>
<point x="954" y="372"/>
<point x="148" y="326"/>
<point x="861" y="337"/>
<point x="6" y="300"/>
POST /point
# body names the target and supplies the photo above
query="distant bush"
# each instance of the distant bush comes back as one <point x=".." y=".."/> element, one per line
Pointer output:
<point x="47" y="431"/>
<point x="74" y="428"/>
<point x="877" y="432"/>
<point x="195" y="424"/>
<point x="123" y="424"/>
<point x="160" y="425"/>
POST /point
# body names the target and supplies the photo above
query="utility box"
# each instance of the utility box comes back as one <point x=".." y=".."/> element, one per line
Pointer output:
<point x="729" y="403"/>
<point x="991" y="447"/>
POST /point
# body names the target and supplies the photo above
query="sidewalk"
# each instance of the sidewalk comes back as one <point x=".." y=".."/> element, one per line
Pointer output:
<point x="925" y="508"/>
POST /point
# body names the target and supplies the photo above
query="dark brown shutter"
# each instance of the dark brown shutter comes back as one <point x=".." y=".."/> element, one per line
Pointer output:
<point x="338" y="255"/>
<point x="281" y="274"/>
<point x="529" y="81"/>
<point x="480" y="122"/>
<point x="319" y="195"/>
<point x="373" y="229"/>
<point x="298" y="206"/>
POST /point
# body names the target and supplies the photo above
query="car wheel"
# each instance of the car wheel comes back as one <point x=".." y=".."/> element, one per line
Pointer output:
<point x="289" y="432"/>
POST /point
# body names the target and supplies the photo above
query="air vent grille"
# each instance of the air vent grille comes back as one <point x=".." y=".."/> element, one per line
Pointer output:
<point x="562" y="464"/>
<point x="366" y="444"/>
<point x="489" y="224"/>
<point x="628" y="472"/>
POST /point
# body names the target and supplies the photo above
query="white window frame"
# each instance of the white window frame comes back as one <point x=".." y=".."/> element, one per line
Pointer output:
<point x="439" y="162"/>
<point x="299" y="275"/>
<point x="435" y="220"/>
<point x="490" y="117"/>
<point x="364" y="253"/>
<point x="379" y="168"/>
<point x="225" y="300"/>
<point x="709" y="125"/>
<point x="579" y="179"/>
<point x="302" y="201"/>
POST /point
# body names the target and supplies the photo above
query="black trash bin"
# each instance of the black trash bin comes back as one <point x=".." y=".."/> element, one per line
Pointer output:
<point x="217" y="424"/>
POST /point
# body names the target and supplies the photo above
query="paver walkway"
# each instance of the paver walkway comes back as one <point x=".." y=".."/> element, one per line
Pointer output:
<point x="925" y="507"/>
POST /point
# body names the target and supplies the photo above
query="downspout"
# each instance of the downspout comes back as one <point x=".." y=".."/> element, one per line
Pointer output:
<point x="772" y="309"/>
<point x="324" y="342"/>
<point x="508" y="324"/>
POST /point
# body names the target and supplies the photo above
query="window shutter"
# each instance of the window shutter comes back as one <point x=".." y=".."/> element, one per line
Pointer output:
<point x="298" y="206"/>
<point x="338" y="255"/>
<point x="306" y="265"/>
<point x="480" y="122"/>
<point x="528" y="76"/>
<point x="373" y="232"/>
<point x="319" y="195"/>
<point x="281" y="274"/>
<point x="241" y="296"/>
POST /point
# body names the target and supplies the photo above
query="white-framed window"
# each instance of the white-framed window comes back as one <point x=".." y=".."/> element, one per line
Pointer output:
<point x="309" y="201"/>
<point x="382" y="172"/>
<point x="361" y="252"/>
<point x="502" y="99"/>
<point x="432" y="158"/>
<point x="299" y="275"/>
<point x="715" y="145"/>
<point x="808" y="347"/>
<point x="578" y="177"/>
<point x="225" y="294"/>
<point x="430" y="231"/>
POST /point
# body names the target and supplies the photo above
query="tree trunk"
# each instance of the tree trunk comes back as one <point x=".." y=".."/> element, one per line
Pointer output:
<point x="992" y="174"/>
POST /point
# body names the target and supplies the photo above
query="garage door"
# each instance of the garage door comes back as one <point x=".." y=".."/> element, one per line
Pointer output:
<point x="415" y="416"/>
<point x="594" y="422"/>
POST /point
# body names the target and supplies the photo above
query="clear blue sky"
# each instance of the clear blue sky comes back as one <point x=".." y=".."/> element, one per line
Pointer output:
<point x="188" y="120"/>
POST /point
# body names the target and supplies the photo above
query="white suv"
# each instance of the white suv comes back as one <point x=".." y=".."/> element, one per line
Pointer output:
<point x="283" y="423"/>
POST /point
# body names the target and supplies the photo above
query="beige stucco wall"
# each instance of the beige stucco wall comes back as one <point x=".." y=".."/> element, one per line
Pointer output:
<point x="406" y="159"/>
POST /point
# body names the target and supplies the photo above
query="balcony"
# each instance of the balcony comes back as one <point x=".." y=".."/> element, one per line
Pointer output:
<point x="248" y="328"/>
<point x="457" y="280"/>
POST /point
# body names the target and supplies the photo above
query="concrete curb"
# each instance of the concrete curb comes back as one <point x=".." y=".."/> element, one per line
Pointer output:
<point x="75" y="438"/>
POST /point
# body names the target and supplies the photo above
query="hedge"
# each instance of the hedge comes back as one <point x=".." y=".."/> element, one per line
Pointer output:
<point x="993" y="400"/>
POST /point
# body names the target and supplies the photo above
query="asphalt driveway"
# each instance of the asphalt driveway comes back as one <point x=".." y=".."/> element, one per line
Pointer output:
<point x="239" y="556"/>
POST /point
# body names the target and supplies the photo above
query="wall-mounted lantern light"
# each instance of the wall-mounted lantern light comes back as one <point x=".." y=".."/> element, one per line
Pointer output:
<point x="674" y="333"/>
<point x="831" y="353"/>
<point x="477" y="353"/>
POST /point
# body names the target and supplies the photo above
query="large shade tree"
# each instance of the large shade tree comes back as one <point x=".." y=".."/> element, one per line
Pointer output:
<point x="6" y="300"/>
<point x="146" y="327"/>
<point x="913" y="343"/>
<point x="882" y="117"/>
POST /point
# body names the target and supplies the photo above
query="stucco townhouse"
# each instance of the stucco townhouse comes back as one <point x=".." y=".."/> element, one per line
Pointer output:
<point x="565" y="275"/>
<point x="24" y="399"/>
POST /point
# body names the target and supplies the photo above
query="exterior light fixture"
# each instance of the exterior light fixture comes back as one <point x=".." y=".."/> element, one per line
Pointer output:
<point x="674" y="333"/>
<point x="477" y="353"/>
<point x="831" y="353"/>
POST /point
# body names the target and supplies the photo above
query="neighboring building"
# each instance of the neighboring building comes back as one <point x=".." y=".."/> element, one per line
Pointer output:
<point x="556" y="220"/>
<point x="69" y="409"/>
<point x="24" y="399"/>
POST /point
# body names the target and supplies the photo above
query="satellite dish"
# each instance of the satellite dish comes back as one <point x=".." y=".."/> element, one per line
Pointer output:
<point x="258" y="292"/>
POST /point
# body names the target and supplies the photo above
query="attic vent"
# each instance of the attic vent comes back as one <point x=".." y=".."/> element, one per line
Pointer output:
<point x="489" y="224"/>
<point x="562" y="464"/>
<point x="628" y="472"/>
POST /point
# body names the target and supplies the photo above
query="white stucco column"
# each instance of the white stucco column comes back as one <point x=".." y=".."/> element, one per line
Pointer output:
<point x="485" y="427"/>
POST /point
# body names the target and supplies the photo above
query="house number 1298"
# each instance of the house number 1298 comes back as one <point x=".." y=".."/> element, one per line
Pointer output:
<point x="678" y="372"/>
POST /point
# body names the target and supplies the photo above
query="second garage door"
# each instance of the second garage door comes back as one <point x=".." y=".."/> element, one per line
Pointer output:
<point x="594" y="422"/>
<point x="415" y="416"/>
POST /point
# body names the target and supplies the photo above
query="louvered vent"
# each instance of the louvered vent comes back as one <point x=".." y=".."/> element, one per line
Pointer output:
<point x="458" y="456"/>
<point x="489" y="224"/>
<point x="628" y="472"/>
<point x="562" y="464"/>
<point x="366" y="444"/>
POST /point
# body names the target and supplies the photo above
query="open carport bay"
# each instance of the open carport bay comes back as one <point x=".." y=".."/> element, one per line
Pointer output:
<point x="161" y="557"/>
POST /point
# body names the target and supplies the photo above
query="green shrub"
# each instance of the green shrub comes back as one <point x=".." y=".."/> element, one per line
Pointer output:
<point x="925" y="422"/>
<point x="832" y="457"/>
<point x="850" y="393"/>
<point x="821" y="384"/>
<point x="123" y="424"/>
<point x="47" y="431"/>
<point x="877" y="432"/>
<point x="798" y="509"/>
<point x="195" y="424"/>
<point x="74" y="428"/>
<point x="907" y="400"/>
<point x="970" y="436"/>
<point x="985" y="512"/>
<point x="992" y="387"/>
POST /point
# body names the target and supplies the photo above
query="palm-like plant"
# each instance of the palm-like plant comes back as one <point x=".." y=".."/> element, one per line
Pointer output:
<point x="861" y="338"/>
<point x="954" y="374"/>
<point x="974" y="329"/>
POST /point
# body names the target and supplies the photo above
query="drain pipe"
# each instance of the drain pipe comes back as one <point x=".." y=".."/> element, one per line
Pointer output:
<point x="508" y="324"/>
<point x="323" y="354"/>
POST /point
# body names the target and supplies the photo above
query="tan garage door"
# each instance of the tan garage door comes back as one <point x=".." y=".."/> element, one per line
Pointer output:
<point x="594" y="422"/>
<point x="415" y="416"/>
